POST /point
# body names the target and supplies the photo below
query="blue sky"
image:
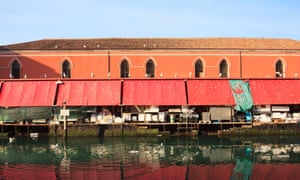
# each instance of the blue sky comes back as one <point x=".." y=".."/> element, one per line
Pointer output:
<point x="27" y="20"/>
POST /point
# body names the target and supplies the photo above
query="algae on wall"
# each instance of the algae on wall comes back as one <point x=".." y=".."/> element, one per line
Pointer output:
<point x="110" y="130"/>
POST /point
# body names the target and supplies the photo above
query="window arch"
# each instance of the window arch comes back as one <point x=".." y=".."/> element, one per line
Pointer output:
<point x="150" y="68"/>
<point x="66" y="69"/>
<point x="15" y="70"/>
<point x="223" y="72"/>
<point x="279" y="69"/>
<point x="124" y="69"/>
<point x="198" y="68"/>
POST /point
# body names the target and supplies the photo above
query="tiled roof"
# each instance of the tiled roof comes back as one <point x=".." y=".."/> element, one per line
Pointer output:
<point x="158" y="43"/>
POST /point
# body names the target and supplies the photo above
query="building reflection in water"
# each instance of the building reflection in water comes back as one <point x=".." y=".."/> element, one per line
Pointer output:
<point x="144" y="158"/>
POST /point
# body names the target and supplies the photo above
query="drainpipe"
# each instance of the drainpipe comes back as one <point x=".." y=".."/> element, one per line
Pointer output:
<point x="108" y="64"/>
<point x="64" y="110"/>
<point x="187" y="105"/>
<point x="241" y="65"/>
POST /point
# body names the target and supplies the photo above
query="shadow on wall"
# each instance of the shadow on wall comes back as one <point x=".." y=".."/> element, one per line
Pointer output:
<point x="18" y="66"/>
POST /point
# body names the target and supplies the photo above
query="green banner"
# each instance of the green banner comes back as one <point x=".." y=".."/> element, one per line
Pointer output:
<point x="242" y="95"/>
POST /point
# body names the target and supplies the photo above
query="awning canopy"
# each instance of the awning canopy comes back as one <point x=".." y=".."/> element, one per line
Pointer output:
<point x="27" y="93"/>
<point x="163" y="92"/>
<point x="89" y="93"/>
<point x="154" y="92"/>
<point x="215" y="92"/>
<point x="275" y="91"/>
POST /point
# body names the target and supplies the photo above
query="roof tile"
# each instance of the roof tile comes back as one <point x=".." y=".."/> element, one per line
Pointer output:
<point x="158" y="43"/>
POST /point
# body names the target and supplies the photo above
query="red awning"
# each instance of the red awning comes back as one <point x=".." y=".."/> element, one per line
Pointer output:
<point x="154" y="92"/>
<point x="209" y="92"/>
<point x="27" y="93"/>
<point x="275" y="91"/>
<point x="89" y="93"/>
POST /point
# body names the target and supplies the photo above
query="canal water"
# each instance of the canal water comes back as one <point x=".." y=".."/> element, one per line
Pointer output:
<point x="158" y="158"/>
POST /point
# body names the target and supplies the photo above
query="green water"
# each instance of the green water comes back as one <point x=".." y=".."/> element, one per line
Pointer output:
<point x="150" y="158"/>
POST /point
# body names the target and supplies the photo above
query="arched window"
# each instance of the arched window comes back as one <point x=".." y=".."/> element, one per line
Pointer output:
<point x="223" y="69"/>
<point x="124" y="71"/>
<point x="279" y="69"/>
<point x="66" y="69"/>
<point x="15" y="70"/>
<point x="150" y="69"/>
<point x="198" y="68"/>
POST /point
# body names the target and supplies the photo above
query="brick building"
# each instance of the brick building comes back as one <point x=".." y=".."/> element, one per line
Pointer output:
<point x="153" y="58"/>
<point x="139" y="76"/>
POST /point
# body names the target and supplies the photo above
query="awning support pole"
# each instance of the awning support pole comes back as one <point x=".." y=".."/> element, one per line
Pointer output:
<point x="65" y="123"/>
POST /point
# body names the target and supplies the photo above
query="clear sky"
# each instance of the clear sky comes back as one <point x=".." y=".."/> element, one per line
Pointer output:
<point x="28" y="20"/>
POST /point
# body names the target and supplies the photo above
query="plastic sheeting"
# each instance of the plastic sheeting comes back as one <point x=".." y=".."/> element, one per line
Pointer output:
<point x="242" y="95"/>
<point x="16" y="114"/>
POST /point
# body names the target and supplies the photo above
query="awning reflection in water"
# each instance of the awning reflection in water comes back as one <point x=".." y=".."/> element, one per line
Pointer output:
<point x="144" y="158"/>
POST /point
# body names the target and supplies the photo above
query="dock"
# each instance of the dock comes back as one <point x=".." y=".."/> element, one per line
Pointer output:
<point x="175" y="128"/>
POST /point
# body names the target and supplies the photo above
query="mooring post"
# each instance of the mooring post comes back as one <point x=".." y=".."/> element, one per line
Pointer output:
<point x="65" y="114"/>
<point x="65" y="128"/>
<point x="101" y="130"/>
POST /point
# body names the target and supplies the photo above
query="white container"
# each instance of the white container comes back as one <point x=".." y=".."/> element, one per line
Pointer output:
<point x="263" y="109"/>
<point x="119" y="120"/>
<point x="99" y="117"/>
<point x="106" y="120"/>
<point x="281" y="108"/>
<point x="172" y="118"/>
<point x="161" y="116"/>
<point x="126" y="116"/>
<point x="93" y="117"/>
<point x="141" y="117"/>
<point x="134" y="117"/>
<point x="148" y="117"/>
<point x="155" y="117"/>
